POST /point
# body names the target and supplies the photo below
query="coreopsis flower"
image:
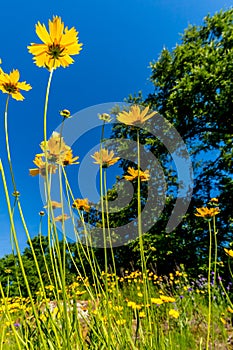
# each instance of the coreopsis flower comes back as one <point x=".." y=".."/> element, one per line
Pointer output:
<point x="61" y="218"/>
<point x="214" y="200"/>
<point x="105" y="158"/>
<point x="54" y="205"/>
<point x="207" y="213"/>
<point x="41" y="167"/>
<point x="55" y="148"/>
<point x="135" y="115"/>
<point x="174" y="313"/>
<point x="167" y="299"/>
<point x="133" y="174"/>
<point x="69" y="159"/>
<point x="81" y="204"/>
<point x="59" y="44"/>
<point x="9" y="84"/>
<point x="229" y="252"/>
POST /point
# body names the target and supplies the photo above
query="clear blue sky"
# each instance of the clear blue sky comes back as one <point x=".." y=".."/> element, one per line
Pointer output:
<point x="120" y="39"/>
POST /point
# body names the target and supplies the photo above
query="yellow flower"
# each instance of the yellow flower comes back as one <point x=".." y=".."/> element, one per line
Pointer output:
<point x="174" y="313"/>
<point x="69" y="159"/>
<point x="54" y="205"/>
<point x="55" y="148"/>
<point x="81" y="204"/>
<point x="142" y="314"/>
<point x="157" y="301"/>
<point x="120" y="322"/>
<point x="207" y="212"/>
<point x="214" y="200"/>
<point x="58" y="45"/>
<point x="133" y="174"/>
<point x="41" y="167"/>
<point x="61" y="218"/>
<point x="9" y="84"/>
<point x="134" y="116"/>
<point x="167" y="299"/>
<point x="229" y="252"/>
<point x="105" y="158"/>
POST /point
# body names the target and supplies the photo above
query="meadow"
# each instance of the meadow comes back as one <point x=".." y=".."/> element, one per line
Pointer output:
<point x="103" y="307"/>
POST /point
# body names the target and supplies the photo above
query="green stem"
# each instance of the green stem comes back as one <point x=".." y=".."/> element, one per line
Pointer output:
<point x="209" y="288"/>
<point x="7" y="143"/>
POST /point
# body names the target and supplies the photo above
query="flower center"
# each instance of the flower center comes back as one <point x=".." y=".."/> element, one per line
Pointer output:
<point x="10" y="88"/>
<point x="55" y="51"/>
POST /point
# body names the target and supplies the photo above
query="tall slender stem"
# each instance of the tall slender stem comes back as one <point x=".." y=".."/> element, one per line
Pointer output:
<point x="7" y="143"/>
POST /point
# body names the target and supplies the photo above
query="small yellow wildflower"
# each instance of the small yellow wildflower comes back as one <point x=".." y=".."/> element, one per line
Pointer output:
<point x="142" y="314"/>
<point x="133" y="174"/>
<point x="105" y="158"/>
<point x="120" y="322"/>
<point x="9" y="84"/>
<point x="135" y="115"/>
<point x="58" y="45"/>
<point x="81" y="204"/>
<point x="157" y="301"/>
<point x="61" y="218"/>
<point x="230" y="309"/>
<point x="229" y="252"/>
<point x="174" y="313"/>
<point x="167" y="299"/>
<point x="69" y="159"/>
<point x="54" y="205"/>
<point x="207" y="213"/>
<point x="42" y="167"/>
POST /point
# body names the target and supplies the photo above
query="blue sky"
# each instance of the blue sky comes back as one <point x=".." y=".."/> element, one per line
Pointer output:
<point x="119" y="39"/>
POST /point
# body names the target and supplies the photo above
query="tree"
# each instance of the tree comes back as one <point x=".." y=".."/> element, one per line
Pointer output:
<point x="193" y="90"/>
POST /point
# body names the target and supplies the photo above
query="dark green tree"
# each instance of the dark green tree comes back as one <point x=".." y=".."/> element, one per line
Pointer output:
<point x="193" y="90"/>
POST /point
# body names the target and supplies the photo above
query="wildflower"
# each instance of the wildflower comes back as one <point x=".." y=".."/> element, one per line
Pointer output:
<point x="55" y="148"/>
<point x="140" y="295"/>
<point x="17" y="324"/>
<point x="230" y="309"/>
<point x="167" y="299"/>
<point x="58" y="45"/>
<point x="157" y="301"/>
<point x="134" y="116"/>
<point x="9" y="84"/>
<point x="174" y="313"/>
<point x="41" y="167"/>
<point x="121" y="322"/>
<point x="81" y="204"/>
<point x="65" y="113"/>
<point x="54" y="205"/>
<point x="133" y="174"/>
<point x="61" y="218"/>
<point x="105" y="158"/>
<point x="105" y="117"/>
<point x="229" y="252"/>
<point x="69" y="159"/>
<point x="207" y="213"/>
<point x="142" y="314"/>
<point x="214" y="200"/>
